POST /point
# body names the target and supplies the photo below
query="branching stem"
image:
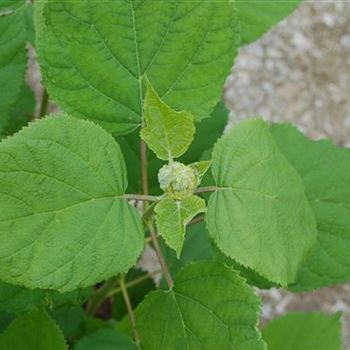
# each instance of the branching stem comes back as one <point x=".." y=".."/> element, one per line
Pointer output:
<point x="133" y="283"/>
<point x="100" y="295"/>
<point x="149" y="222"/>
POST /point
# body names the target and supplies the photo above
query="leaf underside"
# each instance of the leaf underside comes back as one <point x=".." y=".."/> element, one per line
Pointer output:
<point x="173" y="216"/>
<point x="259" y="216"/>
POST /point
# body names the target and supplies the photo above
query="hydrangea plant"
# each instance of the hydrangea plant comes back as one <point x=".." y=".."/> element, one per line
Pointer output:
<point x="136" y="160"/>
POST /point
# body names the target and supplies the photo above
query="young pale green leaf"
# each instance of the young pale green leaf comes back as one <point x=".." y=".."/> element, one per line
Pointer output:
<point x="33" y="331"/>
<point x="201" y="168"/>
<point x="259" y="215"/>
<point x="325" y="170"/>
<point x="167" y="133"/>
<point x="304" y="331"/>
<point x="106" y="339"/>
<point x="63" y="221"/>
<point x="13" y="60"/>
<point x="93" y="55"/>
<point x="173" y="216"/>
<point x="210" y="307"/>
<point x="207" y="132"/>
<point x="257" y="16"/>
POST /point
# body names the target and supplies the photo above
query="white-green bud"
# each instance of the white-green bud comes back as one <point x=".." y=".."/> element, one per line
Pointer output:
<point x="177" y="180"/>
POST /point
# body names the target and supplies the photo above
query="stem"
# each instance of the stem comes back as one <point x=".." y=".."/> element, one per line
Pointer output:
<point x="129" y="308"/>
<point x="44" y="104"/>
<point x="147" y="214"/>
<point x="206" y="189"/>
<point x="149" y="223"/>
<point x="98" y="298"/>
<point x="162" y="263"/>
<point x="133" y="283"/>
<point x="196" y="220"/>
<point x="144" y="170"/>
<point x="141" y="197"/>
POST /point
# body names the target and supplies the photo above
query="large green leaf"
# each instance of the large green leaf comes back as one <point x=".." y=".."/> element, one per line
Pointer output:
<point x="106" y="339"/>
<point x="173" y="216"/>
<point x="259" y="215"/>
<point x="94" y="54"/>
<point x="309" y="331"/>
<point x="13" y="60"/>
<point x="257" y="16"/>
<point x="33" y="331"/>
<point x="325" y="170"/>
<point x="63" y="221"/>
<point x="168" y="133"/>
<point x="210" y="307"/>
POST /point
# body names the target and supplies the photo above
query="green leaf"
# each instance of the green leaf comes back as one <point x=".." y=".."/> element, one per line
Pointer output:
<point x="106" y="339"/>
<point x="33" y="331"/>
<point x="20" y="113"/>
<point x="10" y="5"/>
<point x="70" y="320"/>
<point x="94" y="54"/>
<point x="325" y="170"/>
<point x="13" y="59"/>
<point x="167" y="133"/>
<point x="197" y="247"/>
<point x="63" y="221"/>
<point x="298" y="331"/>
<point x="75" y="297"/>
<point x="210" y="307"/>
<point x="252" y="278"/>
<point x="17" y="299"/>
<point x="207" y="132"/>
<point x="201" y="168"/>
<point x="173" y="216"/>
<point x="5" y="319"/>
<point x="257" y="16"/>
<point x="259" y="215"/>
